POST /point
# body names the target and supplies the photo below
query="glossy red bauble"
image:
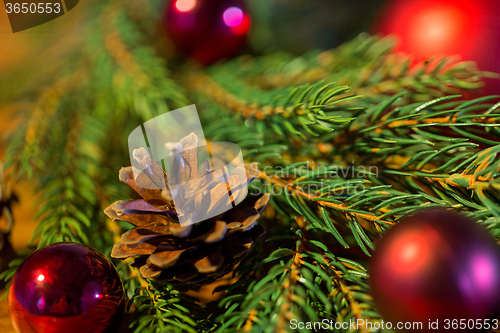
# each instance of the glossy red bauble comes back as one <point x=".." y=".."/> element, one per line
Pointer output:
<point x="436" y="266"/>
<point x="442" y="28"/>
<point x="66" y="287"/>
<point x="207" y="30"/>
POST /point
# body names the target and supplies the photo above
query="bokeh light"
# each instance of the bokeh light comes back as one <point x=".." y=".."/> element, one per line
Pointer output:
<point x="437" y="29"/>
<point x="185" y="5"/>
<point x="243" y="27"/>
<point x="233" y="16"/>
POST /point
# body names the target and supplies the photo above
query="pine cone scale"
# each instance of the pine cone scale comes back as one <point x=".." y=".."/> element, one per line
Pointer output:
<point x="122" y="251"/>
<point x="165" y="259"/>
<point x="141" y="184"/>
<point x="210" y="263"/>
<point x="151" y="169"/>
<point x="215" y="234"/>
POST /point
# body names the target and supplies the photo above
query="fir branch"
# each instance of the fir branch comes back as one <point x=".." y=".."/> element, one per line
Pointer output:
<point x="298" y="113"/>
<point x="159" y="308"/>
<point x="281" y="69"/>
<point x="292" y="190"/>
<point x="369" y="66"/>
<point x="131" y="73"/>
<point x="8" y="274"/>
<point x="306" y="283"/>
<point x="69" y="199"/>
<point x="24" y="155"/>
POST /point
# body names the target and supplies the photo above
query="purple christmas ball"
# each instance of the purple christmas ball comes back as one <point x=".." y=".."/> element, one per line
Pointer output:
<point x="66" y="287"/>
<point x="437" y="267"/>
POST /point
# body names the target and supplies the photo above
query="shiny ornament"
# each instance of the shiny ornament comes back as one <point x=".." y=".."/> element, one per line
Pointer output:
<point x="66" y="287"/>
<point x="441" y="28"/>
<point x="207" y="30"/>
<point x="436" y="265"/>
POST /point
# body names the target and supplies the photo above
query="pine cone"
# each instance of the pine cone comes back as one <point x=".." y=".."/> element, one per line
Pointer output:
<point x="191" y="255"/>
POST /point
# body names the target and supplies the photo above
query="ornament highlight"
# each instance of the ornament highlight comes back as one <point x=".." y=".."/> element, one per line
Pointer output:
<point x="436" y="266"/>
<point x="443" y="28"/>
<point x="66" y="287"/>
<point x="207" y="30"/>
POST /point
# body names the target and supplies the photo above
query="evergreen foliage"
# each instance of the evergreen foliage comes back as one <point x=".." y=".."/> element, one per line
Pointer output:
<point x="349" y="141"/>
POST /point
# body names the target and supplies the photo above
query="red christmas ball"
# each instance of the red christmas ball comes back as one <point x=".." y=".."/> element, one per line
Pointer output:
<point x="207" y="30"/>
<point x="442" y="28"/>
<point x="437" y="267"/>
<point x="66" y="287"/>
